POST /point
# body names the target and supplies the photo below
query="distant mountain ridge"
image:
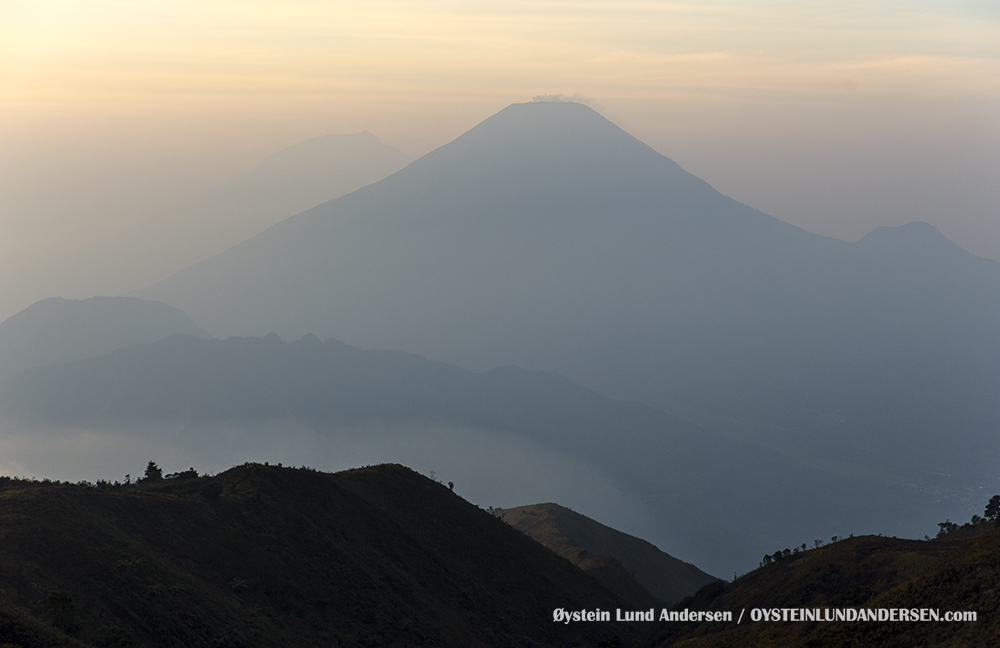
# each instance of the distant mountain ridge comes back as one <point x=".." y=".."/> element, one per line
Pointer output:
<point x="583" y="540"/>
<point x="327" y="382"/>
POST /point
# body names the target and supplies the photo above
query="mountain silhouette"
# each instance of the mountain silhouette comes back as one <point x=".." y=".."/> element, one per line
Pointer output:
<point x="535" y="209"/>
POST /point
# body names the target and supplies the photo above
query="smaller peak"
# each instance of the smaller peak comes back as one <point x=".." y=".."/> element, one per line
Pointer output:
<point x="917" y="237"/>
<point x="909" y="236"/>
<point x="56" y="300"/>
<point x="324" y="144"/>
<point x="915" y="231"/>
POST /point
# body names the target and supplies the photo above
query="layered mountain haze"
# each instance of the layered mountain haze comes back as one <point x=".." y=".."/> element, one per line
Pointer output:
<point x="505" y="436"/>
<point x="549" y="238"/>
<point x="596" y="327"/>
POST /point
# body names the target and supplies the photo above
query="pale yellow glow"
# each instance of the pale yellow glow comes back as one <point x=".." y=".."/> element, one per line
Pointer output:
<point x="301" y="56"/>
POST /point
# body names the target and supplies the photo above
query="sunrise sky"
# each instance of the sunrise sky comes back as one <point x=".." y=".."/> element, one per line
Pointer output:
<point x="835" y="116"/>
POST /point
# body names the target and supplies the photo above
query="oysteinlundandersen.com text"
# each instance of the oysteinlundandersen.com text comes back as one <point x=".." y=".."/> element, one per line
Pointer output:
<point x="561" y="615"/>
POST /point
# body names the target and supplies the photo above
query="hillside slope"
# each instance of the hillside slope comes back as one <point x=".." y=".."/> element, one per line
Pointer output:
<point x="955" y="573"/>
<point x="588" y="544"/>
<point x="269" y="556"/>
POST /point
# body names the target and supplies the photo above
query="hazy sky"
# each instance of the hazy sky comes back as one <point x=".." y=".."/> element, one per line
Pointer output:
<point x="836" y="116"/>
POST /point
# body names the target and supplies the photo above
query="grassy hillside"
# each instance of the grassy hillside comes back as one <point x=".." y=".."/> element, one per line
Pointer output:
<point x="628" y="565"/>
<point x="268" y="556"/>
<point x="956" y="572"/>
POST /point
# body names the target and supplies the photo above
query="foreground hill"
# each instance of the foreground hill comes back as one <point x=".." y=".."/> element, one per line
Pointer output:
<point x="268" y="556"/>
<point x="954" y="573"/>
<point x="55" y="330"/>
<point x="626" y="564"/>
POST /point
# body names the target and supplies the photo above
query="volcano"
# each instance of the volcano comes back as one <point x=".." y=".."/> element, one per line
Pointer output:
<point x="549" y="238"/>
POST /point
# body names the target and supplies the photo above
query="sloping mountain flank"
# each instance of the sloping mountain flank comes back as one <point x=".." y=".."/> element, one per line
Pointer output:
<point x="287" y="182"/>
<point x="268" y="556"/>
<point x="549" y="238"/>
<point x="589" y="545"/>
<point x="56" y="330"/>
